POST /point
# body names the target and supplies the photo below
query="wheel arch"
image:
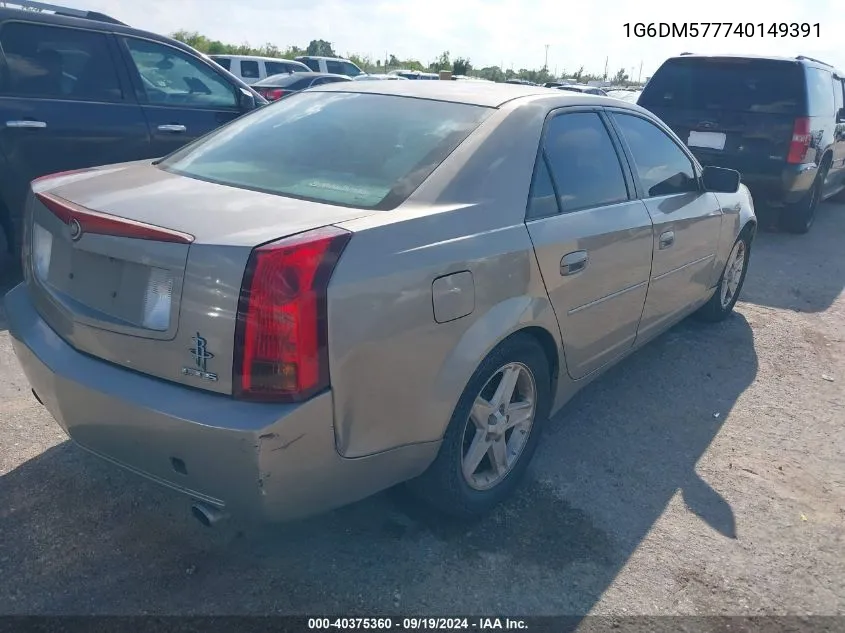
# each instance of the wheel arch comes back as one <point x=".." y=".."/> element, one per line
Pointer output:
<point x="518" y="316"/>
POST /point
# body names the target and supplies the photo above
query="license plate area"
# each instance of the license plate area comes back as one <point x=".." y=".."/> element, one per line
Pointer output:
<point x="707" y="140"/>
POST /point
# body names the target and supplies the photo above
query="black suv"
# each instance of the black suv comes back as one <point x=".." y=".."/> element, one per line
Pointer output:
<point x="779" y="121"/>
<point x="79" y="89"/>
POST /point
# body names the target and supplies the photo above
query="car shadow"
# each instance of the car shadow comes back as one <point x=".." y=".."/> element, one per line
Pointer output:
<point x="81" y="536"/>
<point x="804" y="273"/>
<point x="10" y="276"/>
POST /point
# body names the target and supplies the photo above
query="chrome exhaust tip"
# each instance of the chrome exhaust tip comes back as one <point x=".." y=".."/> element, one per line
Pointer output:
<point x="206" y="514"/>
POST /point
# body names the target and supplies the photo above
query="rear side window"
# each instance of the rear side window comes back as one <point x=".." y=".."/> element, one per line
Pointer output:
<point x="57" y="63"/>
<point x="819" y="92"/>
<point x="730" y="84"/>
<point x="838" y="93"/>
<point x="249" y="69"/>
<point x="225" y="62"/>
<point x="662" y="166"/>
<point x="584" y="165"/>
<point x="542" y="201"/>
<point x="353" y="149"/>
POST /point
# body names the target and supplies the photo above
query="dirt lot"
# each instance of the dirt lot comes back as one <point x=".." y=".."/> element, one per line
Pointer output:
<point x="704" y="475"/>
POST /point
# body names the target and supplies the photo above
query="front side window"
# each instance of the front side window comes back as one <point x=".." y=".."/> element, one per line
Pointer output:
<point x="57" y="63"/>
<point x="352" y="149"/>
<point x="313" y="64"/>
<point x="171" y="77"/>
<point x="584" y="165"/>
<point x="662" y="166"/>
<point x="249" y="69"/>
<point x="335" y="67"/>
<point x="277" y="68"/>
<point x="351" y="69"/>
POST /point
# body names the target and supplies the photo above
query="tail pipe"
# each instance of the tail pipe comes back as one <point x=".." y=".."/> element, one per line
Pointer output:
<point x="206" y="514"/>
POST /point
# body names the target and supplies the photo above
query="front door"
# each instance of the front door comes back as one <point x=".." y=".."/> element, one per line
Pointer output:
<point x="687" y="220"/>
<point x="183" y="97"/>
<point x="592" y="238"/>
<point x="63" y="105"/>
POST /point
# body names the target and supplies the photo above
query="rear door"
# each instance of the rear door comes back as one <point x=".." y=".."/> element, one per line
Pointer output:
<point x="592" y="238"/>
<point x="730" y="111"/>
<point x="251" y="71"/>
<point x="687" y="220"/>
<point x="64" y="104"/>
<point x="182" y="96"/>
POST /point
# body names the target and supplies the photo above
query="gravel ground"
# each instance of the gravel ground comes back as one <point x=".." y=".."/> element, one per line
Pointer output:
<point x="703" y="475"/>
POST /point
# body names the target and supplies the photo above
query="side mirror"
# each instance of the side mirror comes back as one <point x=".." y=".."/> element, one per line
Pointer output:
<point x="720" y="180"/>
<point x="247" y="100"/>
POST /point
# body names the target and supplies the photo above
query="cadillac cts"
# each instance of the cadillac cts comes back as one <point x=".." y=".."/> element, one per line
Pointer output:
<point x="368" y="284"/>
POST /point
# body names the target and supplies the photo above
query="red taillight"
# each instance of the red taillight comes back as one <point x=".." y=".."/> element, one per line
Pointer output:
<point x="800" y="141"/>
<point x="274" y="94"/>
<point x="281" y="334"/>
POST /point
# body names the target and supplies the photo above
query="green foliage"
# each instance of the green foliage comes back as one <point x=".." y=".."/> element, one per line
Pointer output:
<point x="621" y="77"/>
<point x="461" y="66"/>
<point x="441" y="63"/>
<point x="320" y="48"/>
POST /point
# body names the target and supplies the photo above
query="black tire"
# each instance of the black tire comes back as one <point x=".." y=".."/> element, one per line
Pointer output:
<point x="443" y="486"/>
<point x="714" y="310"/>
<point x="798" y="218"/>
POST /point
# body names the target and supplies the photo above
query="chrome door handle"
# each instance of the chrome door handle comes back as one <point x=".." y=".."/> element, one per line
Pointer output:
<point x="667" y="239"/>
<point x="33" y="125"/>
<point x="573" y="263"/>
<point x="173" y="127"/>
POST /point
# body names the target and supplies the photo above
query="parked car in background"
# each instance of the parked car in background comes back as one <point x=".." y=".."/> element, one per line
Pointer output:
<point x="79" y="89"/>
<point x="583" y="88"/>
<point x="278" y="86"/>
<point x="521" y="82"/>
<point x="415" y="74"/>
<point x="779" y="121"/>
<point x="274" y="278"/>
<point x="625" y="94"/>
<point x="331" y="65"/>
<point x="379" y="77"/>
<point x="250" y="68"/>
<point x="557" y="84"/>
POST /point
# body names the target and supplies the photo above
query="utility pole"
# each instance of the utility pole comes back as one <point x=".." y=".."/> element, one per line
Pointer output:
<point x="606" y="60"/>
<point x="546" y="64"/>
<point x="640" y="77"/>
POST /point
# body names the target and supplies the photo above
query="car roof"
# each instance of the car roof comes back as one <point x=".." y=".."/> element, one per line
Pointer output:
<point x="490" y="95"/>
<point x="808" y="61"/>
<point x="342" y="59"/>
<point x="92" y="25"/>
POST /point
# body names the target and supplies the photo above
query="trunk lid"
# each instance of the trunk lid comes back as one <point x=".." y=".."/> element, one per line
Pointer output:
<point x="731" y="112"/>
<point x="143" y="268"/>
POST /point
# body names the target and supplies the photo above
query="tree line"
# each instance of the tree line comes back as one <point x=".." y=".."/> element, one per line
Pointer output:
<point x="458" y="65"/>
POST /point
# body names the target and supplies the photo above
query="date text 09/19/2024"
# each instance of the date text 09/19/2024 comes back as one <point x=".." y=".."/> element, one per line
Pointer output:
<point x="418" y="624"/>
<point x="722" y="29"/>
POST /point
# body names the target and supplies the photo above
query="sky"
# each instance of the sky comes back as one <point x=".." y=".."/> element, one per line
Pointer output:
<point x="511" y="33"/>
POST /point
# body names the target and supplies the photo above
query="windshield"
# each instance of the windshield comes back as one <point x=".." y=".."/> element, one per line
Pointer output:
<point x="731" y="84"/>
<point x="359" y="150"/>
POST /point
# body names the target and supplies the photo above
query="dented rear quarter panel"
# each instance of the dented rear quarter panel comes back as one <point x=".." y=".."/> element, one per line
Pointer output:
<point x="396" y="373"/>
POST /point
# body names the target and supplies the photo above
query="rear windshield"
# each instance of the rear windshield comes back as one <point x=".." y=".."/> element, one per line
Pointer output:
<point x="732" y="84"/>
<point x="358" y="150"/>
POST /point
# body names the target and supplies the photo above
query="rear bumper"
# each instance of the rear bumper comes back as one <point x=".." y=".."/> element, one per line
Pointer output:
<point x="787" y="187"/>
<point x="273" y="462"/>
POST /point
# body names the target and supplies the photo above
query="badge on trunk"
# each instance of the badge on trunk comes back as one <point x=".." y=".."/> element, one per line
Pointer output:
<point x="201" y="357"/>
